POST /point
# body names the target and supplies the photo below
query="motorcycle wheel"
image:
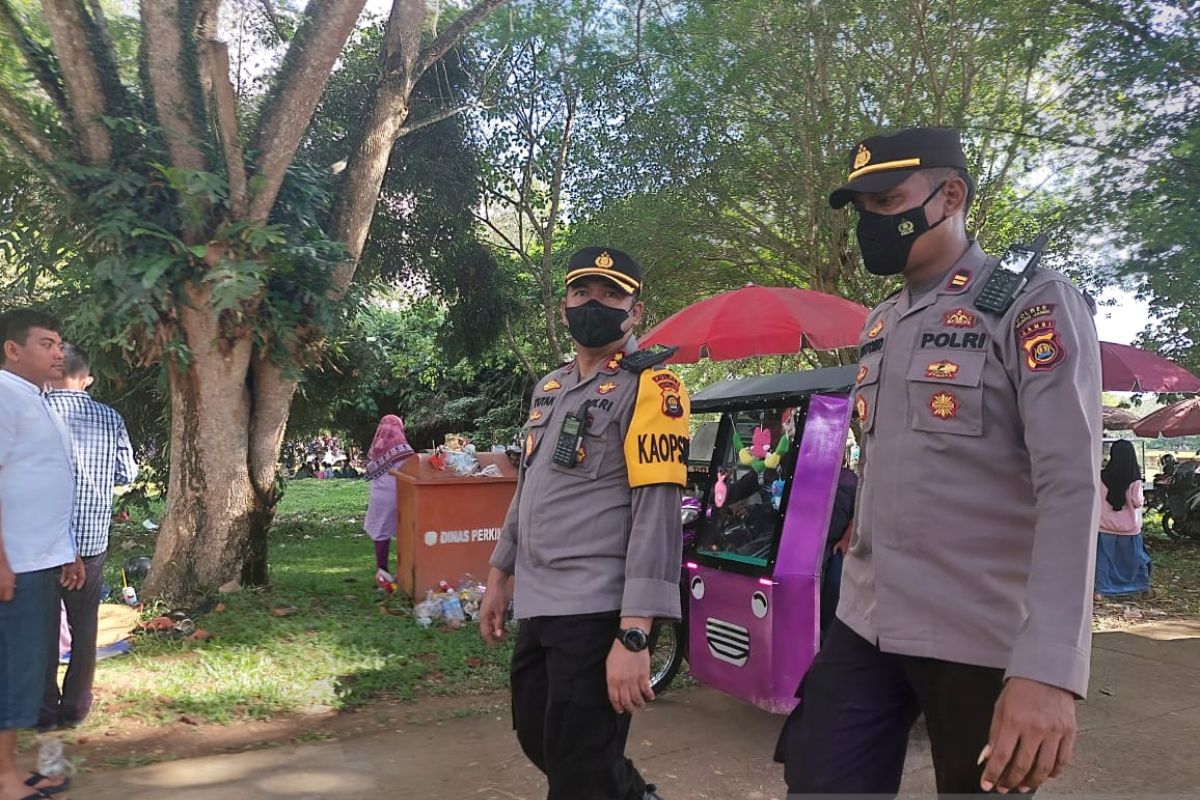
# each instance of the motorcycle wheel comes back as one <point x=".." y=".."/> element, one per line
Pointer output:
<point x="669" y="651"/>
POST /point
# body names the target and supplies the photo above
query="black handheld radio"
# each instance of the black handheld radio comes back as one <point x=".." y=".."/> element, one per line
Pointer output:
<point x="1010" y="276"/>
<point x="570" y="437"/>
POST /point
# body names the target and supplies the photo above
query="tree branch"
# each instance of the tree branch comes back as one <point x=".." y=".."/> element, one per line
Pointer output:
<point x="453" y="35"/>
<point x="390" y="104"/>
<point x="24" y="129"/>
<point x="273" y="18"/>
<point x="304" y="72"/>
<point x="40" y="62"/>
<point x="224" y="104"/>
<point x="433" y="119"/>
<point x="82" y="78"/>
<point x="172" y="87"/>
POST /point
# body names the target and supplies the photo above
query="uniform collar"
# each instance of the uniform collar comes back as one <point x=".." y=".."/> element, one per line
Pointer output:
<point x="958" y="280"/>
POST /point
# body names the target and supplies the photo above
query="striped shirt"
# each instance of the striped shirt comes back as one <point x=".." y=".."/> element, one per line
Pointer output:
<point x="103" y="459"/>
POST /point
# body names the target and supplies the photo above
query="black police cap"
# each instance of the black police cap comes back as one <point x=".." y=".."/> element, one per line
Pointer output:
<point x="605" y="262"/>
<point x="883" y="162"/>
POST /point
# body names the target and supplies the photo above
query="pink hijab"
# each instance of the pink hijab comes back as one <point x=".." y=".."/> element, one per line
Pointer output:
<point x="389" y="447"/>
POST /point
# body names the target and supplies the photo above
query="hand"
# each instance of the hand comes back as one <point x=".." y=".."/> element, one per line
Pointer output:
<point x="492" y="611"/>
<point x="628" y="679"/>
<point x="842" y="545"/>
<point x="1032" y="736"/>
<point x="73" y="575"/>
<point x="8" y="582"/>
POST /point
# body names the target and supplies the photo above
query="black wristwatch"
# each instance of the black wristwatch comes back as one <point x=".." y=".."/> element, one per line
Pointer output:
<point x="635" y="640"/>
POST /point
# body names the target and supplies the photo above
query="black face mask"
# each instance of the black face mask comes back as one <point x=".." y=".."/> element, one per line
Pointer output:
<point x="594" y="324"/>
<point x="885" y="240"/>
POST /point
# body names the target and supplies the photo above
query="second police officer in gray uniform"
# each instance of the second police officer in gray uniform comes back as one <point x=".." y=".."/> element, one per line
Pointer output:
<point x="593" y="538"/>
<point x="966" y="594"/>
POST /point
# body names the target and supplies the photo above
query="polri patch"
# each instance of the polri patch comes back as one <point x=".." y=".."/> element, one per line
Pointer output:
<point x="1043" y="350"/>
<point x="606" y="388"/>
<point x="959" y="318"/>
<point x="551" y="386"/>
<point x="954" y="340"/>
<point x="943" y="405"/>
<point x="876" y="329"/>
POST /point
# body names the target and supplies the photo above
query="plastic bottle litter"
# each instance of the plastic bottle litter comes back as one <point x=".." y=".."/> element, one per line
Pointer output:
<point x="129" y="595"/>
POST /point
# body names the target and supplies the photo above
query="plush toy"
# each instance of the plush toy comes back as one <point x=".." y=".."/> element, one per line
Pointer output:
<point x="759" y="456"/>
<point x="720" y="491"/>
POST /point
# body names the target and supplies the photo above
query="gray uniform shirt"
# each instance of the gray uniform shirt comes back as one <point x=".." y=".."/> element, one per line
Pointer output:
<point x="978" y="509"/>
<point x="578" y="539"/>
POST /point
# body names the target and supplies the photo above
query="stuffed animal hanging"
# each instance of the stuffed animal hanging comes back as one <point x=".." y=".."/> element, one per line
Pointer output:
<point x="759" y="456"/>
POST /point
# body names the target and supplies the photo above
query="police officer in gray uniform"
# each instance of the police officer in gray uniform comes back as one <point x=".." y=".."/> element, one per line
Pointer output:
<point x="966" y="593"/>
<point x="593" y="538"/>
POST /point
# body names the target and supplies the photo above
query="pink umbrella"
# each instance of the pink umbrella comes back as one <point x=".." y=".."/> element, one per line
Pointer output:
<point x="759" y="321"/>
<point x="1180" y="419"/>
<point x="1129" y="369"/>
<point x="1118" y="419"/>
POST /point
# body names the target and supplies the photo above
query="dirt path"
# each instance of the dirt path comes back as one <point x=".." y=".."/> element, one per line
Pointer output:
<point x="1138" y="731"/>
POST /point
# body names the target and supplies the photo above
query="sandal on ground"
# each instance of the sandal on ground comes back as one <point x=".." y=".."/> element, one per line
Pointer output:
<point x="36" y="777"/>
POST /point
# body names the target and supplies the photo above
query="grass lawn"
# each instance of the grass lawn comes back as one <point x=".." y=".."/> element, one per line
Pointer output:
<point x="340" y="649"/>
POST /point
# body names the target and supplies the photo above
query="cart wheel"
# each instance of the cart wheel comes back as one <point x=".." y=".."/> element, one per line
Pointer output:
<point x="667" y="658"/>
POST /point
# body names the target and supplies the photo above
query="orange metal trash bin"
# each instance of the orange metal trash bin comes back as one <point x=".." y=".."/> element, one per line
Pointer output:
<point x="447" y="526"/>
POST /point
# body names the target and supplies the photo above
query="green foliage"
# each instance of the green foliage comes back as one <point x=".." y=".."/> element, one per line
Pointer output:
<point x="1137" y="83"/>
<point x="389" y="360"/>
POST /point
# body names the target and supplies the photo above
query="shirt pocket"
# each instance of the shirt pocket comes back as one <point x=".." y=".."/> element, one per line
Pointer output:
<point x="590" y="455"/>
<point x="866" y="390"/>
<point x="945" y="391"/>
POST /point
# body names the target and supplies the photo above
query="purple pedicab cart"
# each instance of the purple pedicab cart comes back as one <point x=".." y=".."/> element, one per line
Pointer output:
<point x="757" y="521"/>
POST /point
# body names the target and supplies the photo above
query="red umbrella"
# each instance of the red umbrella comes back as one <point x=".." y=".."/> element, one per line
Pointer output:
<point x="1128" y="369"/>
<point x="1180" y="419"/>
<point x="759" y="321"/>
<point x="1118" y="419"/>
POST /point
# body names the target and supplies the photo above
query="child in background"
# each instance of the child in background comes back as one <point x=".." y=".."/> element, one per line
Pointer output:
<point x="388" y="449"/>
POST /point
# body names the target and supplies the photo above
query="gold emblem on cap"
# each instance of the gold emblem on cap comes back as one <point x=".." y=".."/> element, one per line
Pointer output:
<point x="604" y="260"/>
<point x="905" y="227"/>
<point x="862" y="157"/>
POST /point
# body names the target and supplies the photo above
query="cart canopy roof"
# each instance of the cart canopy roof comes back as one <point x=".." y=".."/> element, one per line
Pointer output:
<point x="767" y="391"/>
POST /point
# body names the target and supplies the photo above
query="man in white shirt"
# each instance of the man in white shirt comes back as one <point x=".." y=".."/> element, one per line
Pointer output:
<point x="37" y="550"/>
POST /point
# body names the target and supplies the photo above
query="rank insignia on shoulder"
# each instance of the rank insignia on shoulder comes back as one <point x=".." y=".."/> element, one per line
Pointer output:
<point x="551" y="386"/>
<point x="959" y="318"/>
<point x="643" y="360"/>
<point x="615" y="362"/>
<point x="959" y="281"/>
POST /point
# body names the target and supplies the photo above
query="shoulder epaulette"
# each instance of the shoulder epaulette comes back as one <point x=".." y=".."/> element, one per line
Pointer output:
<point x="643" y="360"/>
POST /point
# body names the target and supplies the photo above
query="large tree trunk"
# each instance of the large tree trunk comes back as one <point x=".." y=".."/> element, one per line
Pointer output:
<point x="228" y="412"/>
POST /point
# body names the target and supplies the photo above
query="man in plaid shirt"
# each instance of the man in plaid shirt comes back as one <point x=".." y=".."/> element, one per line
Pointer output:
<point x="103" y="459"/>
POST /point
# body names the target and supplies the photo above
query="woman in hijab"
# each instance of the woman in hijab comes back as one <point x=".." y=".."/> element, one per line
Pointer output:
<point x="1122" y="563"/>
<point x="388" y="449"/>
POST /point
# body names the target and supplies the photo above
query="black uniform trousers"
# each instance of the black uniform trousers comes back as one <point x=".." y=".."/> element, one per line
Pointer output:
<point x="849" y="735"/>
<point x="561" y="712"/>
